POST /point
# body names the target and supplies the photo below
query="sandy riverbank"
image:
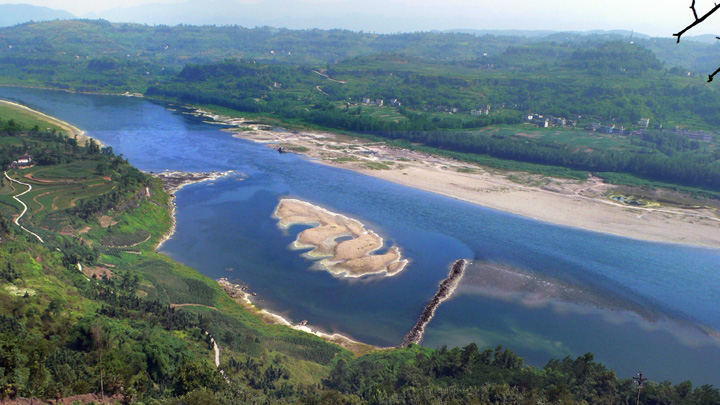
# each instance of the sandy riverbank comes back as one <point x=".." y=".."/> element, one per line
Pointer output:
<point x="71" y="130"/>
<point x="573" y="203"/>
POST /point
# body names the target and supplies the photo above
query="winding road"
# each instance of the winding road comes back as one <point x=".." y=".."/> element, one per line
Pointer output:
<point x="25" y="207"/>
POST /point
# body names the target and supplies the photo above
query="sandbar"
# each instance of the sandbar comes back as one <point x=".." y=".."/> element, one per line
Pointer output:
<point x="353" y="256"/>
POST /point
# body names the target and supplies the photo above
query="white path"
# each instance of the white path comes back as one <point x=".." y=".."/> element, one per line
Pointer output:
<point x="216" y="349"/>
<point x="25" y="207"/>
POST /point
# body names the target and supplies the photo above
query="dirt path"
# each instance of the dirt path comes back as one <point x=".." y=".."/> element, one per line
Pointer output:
<point x="42" y="207"/>
<point x="30" y="176"/>
<point x="192" y="305"/>
<point x="330" y="78"/>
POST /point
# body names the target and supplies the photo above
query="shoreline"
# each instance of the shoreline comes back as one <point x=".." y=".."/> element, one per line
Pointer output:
<point x="72" y="131"/>
<point x="174" y="181"/>
<point x="583" y="205"/>
<point x="238" y="294"/>
<point x="559" y="201"/>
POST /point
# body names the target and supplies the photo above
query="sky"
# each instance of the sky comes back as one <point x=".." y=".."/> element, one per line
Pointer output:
<point x="652" y="17"/>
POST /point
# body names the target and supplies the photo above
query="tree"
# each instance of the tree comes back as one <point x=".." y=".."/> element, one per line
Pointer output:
<point x="699" y="20"/>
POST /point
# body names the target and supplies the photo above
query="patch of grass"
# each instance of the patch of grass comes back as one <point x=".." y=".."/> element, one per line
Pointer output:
<point x="295" y="148"/>
<point x="125" y="239"/>
<point x="376" y="166"/>
<point x="346" y="159"/>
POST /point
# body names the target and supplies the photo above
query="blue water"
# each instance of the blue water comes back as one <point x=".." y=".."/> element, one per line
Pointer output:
<point x="225" y="229"/>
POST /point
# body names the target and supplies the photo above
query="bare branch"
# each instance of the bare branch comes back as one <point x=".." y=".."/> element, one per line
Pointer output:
<point x="697" y="20"/>
<point x="710" y="78"/>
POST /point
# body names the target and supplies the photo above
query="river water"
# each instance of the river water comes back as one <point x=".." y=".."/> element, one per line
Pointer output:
<point x="545" y="291"/>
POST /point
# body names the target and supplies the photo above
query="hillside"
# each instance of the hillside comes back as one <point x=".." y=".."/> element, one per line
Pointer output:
<point x="93" y="300"/>
<point x="80" y="54"/>
<point x="13" y="14"/>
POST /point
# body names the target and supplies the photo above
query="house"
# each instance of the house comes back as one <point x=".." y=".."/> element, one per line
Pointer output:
<point x="366" y="101"/>
<point x="541" y="122"/>
<point x="698" y="136"/>
<point x="395" y="103"/>
<point x="23" y="161"/>
<point x="559" y="121"/>
<point x="379" y="102"/>
<point x="595" y="126"/>
<point x="644" y="122"/>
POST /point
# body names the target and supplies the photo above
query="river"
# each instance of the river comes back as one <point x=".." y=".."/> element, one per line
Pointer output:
<point x="543" y="290"/>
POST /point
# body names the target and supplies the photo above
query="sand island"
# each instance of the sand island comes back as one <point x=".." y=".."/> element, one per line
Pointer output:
<point x="344" y="245"/>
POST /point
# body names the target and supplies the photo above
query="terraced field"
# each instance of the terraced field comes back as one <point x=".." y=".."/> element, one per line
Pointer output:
<point x="54" y="189"/>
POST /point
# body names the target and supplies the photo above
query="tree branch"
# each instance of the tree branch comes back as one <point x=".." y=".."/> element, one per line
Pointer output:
<point x="710" y="78"/>
<point x="697" y="20"/>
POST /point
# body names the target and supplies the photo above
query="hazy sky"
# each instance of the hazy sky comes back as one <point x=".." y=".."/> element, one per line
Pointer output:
<point x="653" y="17"/>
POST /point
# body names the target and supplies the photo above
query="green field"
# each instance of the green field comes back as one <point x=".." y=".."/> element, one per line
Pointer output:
<point x="24" y="118"/>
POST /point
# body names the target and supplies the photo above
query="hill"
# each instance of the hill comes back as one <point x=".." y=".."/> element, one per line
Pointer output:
<point x="13" y="14"/>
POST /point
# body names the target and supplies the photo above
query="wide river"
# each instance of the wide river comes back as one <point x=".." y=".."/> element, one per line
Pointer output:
<point x="543" y="290"/>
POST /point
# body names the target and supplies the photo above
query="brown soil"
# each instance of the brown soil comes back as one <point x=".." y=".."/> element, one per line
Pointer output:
<point x="106" y="221"/>
<point x="98" y="271"/>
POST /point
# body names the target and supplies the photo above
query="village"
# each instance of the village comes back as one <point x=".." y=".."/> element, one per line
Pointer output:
<point x="642" y="127"/>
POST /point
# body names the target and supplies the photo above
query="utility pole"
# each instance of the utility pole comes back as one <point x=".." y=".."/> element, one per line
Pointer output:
<point x="639" y="380"/>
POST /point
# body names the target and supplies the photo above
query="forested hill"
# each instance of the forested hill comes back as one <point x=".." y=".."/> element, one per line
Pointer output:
<point x="440" y="90"/>
<point x="60" y="53"/>
<point x="459" y="106"/>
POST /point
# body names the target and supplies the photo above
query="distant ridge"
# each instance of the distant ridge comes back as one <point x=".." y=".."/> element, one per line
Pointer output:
<point x="545" y="33"/>
<point x="13" y="14"/>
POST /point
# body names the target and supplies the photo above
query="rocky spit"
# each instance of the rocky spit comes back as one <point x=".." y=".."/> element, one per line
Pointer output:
<point x="175" y="180"/>
<point x="447" y="287"/>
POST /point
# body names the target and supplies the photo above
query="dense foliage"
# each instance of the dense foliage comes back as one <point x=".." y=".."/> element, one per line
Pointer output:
<point x="470" y="376"/>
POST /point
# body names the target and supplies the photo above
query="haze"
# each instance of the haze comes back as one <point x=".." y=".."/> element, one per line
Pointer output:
<point x="655" y="18"/>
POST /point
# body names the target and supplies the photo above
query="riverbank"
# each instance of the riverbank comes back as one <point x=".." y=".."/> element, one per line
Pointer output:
<point x="174" y="181"/>
<point x="573" y="203"/>
<point x="240" y="295"/>
<point x="71" y="130"/>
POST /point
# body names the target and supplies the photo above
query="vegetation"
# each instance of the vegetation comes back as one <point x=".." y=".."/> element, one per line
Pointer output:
<point x="94" y="309"/>
<point x="115" y="327"/>
<point x="137" y="326"/>
<point x="635" y="87"/>
<point x="321" y="78"/>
